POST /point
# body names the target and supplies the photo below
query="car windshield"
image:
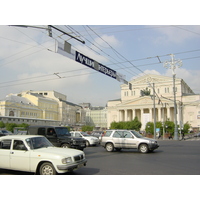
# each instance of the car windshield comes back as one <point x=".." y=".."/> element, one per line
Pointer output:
<point x="137" y="134"/>
<point x="38" y="142"/>
<point x="6" y="132"/>
<point x="62" y="131"/>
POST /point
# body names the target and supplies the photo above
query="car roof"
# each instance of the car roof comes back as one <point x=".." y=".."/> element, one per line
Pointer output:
<point x="22" y="137"/>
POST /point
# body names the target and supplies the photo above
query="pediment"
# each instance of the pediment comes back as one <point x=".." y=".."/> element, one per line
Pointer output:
<point x="151" y="78"/>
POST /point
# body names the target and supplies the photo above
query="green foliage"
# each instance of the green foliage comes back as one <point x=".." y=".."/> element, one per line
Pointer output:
<point x="149" y="127"/>
<point x="2" y="125"/>
<point x="130" y="125"/>
<point x="87" y="128"/>
<point x="186" y="127"/>
<point x="11" y="126"/>
<point x="170" y="127"/>
<point x="23" y="125"/>
<point x="160" y="126"/>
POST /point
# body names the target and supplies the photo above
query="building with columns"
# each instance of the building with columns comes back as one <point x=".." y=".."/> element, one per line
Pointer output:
<point x="133" y="103"/>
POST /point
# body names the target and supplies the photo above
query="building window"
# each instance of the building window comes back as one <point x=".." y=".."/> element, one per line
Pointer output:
<point x="11" y="113"/>
<point x="166" y="90"/>
<point x="126" y="93"/>
<point x="133" y="93"/>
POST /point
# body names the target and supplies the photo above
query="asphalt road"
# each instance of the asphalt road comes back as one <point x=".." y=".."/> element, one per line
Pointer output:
<point x="171" y="158"/>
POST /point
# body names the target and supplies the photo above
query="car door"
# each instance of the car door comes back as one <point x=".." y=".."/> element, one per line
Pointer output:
<point x="53" y="137"/>
<point x="5" y="146"/>
<point x="19" y="156"/>
<point x="118" y="139"/>
<point x="129" y="140"/>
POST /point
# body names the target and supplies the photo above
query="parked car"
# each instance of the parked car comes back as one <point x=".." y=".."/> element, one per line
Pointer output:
<point x="90" y="140"/>
<point x="127" y="139"/>
<point x="5" y="132"/>
<point x="197" y="135"/>
<point x="36" y="154"/>
<point x="59" y="136"/>
<point x="97" y="134"/>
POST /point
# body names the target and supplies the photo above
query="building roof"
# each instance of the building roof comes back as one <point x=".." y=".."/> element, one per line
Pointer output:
<point x="17" y="99"/>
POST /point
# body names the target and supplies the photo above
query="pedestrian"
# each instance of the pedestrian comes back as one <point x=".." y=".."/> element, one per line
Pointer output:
<point x="159" y="135"/>
<point x="170" y="136"/>
<point x="183" y="135"/>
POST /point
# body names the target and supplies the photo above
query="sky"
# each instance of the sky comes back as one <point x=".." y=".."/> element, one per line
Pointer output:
<point x="29" y="61"/>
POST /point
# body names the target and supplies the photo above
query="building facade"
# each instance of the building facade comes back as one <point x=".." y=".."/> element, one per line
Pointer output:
<point x="97" y="117"/>
<point x="27" y="108"/>
<point x="134" y="103"/>
<point x="41" y="107"/>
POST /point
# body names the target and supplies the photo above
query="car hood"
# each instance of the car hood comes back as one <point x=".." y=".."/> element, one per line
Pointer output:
<point x="59" y="151"/>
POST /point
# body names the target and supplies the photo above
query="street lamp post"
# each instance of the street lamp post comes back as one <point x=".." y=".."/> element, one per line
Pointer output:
<point x="172" y="65"/>
<point x="154" y="110"/>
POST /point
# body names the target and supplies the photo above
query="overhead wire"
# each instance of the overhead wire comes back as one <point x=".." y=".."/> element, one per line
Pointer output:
<point x="145" y="58"/>
<point x="103" y="52"/>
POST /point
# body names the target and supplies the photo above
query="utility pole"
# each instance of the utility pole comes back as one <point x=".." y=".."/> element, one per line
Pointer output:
<point x="172" y="65"/>
<point x="154" y="112"/>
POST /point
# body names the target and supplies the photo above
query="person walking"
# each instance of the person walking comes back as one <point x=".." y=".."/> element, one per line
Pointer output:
<point x="183" y="135"/>
<point x="170" y="136"/>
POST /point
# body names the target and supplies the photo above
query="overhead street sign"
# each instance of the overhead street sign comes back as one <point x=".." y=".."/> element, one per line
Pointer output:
<point x="79" y="57"/>
<point x="66" y="50"/>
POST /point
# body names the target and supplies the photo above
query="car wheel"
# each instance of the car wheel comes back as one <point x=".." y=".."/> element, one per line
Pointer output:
<point x="65" y="145"/>
<point x="47" y="169"/>
<point x="109" y="147"/>
<point x="87" y="143"/>
<point x="143" y="148"/>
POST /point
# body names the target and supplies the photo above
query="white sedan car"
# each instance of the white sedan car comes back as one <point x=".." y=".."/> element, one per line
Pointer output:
<point x="36" y="154"/>
<point x="90" y="140"/>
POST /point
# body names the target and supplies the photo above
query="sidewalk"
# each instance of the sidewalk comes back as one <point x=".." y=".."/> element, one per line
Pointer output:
<point x="186" y="138"/>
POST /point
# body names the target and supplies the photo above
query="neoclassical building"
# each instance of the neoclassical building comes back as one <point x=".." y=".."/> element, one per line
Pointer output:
<point x="134" y="103"/>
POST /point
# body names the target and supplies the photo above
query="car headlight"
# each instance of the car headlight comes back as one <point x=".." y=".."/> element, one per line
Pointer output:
<point x="67" y="160"/>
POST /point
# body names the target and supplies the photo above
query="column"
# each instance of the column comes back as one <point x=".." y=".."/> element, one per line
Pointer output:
<point x="168" y="113"/>
<point x="150" y="113"/>
<point x="142" y="112"/>
<point x="119" y="115"/>
<point x="159" y="114"/>
<point x="125" y="115"/>
<point x="133" y="114"/>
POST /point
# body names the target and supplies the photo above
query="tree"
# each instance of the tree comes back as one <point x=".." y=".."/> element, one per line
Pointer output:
<point x="186" y="127"/>
<point x="10" y="126"/>
<point x="149" y="127"/>
<point x="160" y="126"/>
<point x="130" y="125"/>
<point x="169" y="127"/>
<point x="136" y="124"/>
<point x="2" y="125"/>
<point x="87" y="128"/>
